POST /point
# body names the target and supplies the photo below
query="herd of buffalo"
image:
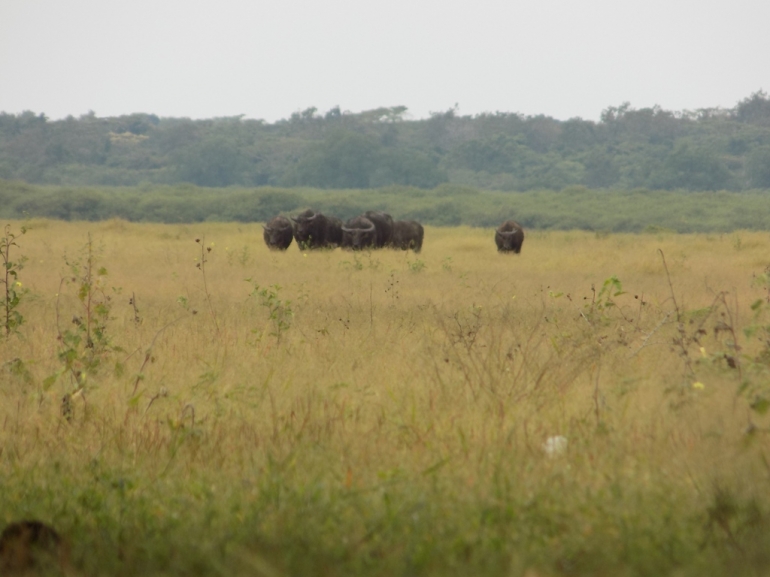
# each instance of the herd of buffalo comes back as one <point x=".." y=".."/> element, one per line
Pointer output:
<point x="372" y="229"/>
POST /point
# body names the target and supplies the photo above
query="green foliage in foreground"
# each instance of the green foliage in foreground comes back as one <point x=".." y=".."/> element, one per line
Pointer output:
<point x="447" y="205"/>
<point x="277" y="520"/>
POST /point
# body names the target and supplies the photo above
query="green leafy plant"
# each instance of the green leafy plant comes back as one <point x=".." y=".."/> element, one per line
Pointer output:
<point x="12" y="289"/>
<point x="599" y="309"/>
<point x="357" y="263"/>
<point x="417" y="265"/>
<point x="19" y="370"/>
<point x="280" y="311"/>
<point x="241" y="257"/>
<point x="744" y="353"/>
<point x="85" y="345"/>
<point x="754" y="387"/>
<point x="611" y="288"/>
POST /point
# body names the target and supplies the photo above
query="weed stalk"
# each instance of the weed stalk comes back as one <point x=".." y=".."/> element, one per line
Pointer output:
<point x="202" y="266"/>
<point x="12" y="319"/>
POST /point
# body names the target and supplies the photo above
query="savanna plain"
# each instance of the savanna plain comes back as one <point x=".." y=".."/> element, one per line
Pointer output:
<point x="178" y="400"/>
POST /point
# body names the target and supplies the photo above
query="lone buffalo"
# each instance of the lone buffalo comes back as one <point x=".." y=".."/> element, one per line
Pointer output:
<point x="314" y="230"/>
<point x="509" y="236"/>
<point x="407" y="234"/>
<point x="278" y="233"/>
<point x="359" y="233"/>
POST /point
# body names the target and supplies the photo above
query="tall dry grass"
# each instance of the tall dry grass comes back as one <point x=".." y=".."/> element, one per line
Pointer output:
<point x="390" y="418"/>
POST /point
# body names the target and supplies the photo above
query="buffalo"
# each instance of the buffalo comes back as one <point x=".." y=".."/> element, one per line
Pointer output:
<point x="278" y="233"/>
<point x="333" y="231"/>
<point x="372" y="229"/>
<point x="314" y="230"/>
<point x="359" y="233"/>
<point x="509" y="236"/>
<point x="27" y="547"/>
<point x="383" y="223"/>
<point x="407" y="234"/>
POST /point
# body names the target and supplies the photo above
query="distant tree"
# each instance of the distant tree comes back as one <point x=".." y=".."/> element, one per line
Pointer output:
<point x="653" y="125"/>
<point x="437" y="128"/>
<point x="137" y="123"/>
<point x="755" y="109"/>
<point x="496" y="154"/>
<point x="211" y="162"/>
<point x="344" y="159"/>
<point x="693" y="168"/>
<point x="406" y="167"/>
<point x="383" y="115"/>
<point x="174" y="134"/>
<point x="307" y="115"/>
<point x="601" y="170"/>
<point x="333" y="114"/>
<point x="758" y="168"/>
<point x="614" y="113"/>
<point x="577" y="134"/>
<point x="542" y="133"/>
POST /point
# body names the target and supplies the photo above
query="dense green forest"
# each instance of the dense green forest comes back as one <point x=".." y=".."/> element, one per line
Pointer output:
<point x="651" y="148"/>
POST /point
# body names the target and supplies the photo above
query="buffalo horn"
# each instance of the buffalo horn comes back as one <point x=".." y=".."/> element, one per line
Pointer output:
<point x="367" y="229"/>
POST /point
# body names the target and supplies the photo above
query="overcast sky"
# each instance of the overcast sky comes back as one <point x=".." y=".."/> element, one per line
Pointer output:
<point x="268" y="58"/>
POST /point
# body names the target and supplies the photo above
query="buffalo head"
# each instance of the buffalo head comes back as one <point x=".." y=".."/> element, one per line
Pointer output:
<point x="310" y="229"/>
<point x="509" y="237"/>
<point x="359" y="233"/>
<point x="278" y="233"/>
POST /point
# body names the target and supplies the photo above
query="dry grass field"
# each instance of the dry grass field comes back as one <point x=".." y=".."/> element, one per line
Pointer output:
<point x="388" y="413"/>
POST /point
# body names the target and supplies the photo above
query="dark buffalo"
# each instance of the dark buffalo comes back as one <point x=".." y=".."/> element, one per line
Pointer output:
<point x="28" y="546"/>
<point x="359" y="233"/>
<point x="383" y="222"/>
<point x="278" y="233"/>
<point x="333" y="231"/>
<point x="509" y="236"/>
<point x="407" y="234"/>
<point x="314" y="230"/>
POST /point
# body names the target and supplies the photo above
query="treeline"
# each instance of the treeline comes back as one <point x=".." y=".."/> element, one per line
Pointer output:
<point x="709" y="149"/>
<point x="576" y="207"/>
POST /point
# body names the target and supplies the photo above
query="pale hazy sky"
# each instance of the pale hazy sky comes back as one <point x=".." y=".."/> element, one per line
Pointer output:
<point x="268" y="58"/>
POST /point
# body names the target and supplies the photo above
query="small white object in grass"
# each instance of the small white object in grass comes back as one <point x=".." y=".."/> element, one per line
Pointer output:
<point x="555" y="446"/>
